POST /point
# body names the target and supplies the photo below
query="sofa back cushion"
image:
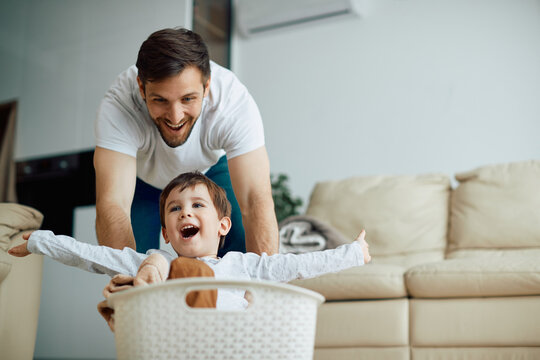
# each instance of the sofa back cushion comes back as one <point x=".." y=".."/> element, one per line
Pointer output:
<point x="405" y="217"/>
<point x="496" y="207"/>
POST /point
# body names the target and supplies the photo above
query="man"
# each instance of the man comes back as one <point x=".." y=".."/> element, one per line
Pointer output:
<point x="176" y="111"/>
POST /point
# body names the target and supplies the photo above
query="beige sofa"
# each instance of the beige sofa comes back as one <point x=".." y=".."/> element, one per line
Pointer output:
<point x="20" y="284"/>
<point x="455" y="271"/>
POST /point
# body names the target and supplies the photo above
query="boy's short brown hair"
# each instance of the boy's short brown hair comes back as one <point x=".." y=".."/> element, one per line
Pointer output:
<point x="189" y="180"/>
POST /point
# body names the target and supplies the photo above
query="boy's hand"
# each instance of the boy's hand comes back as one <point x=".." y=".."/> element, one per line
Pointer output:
<point x="147" y="274"/>
<point x="154" y="269"/>
<point x="361" y="239"/>
<point x="21" y="250"/>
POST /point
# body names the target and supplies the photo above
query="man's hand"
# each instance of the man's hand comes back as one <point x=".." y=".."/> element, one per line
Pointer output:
<point x="361" y="239"/>
<point x="119" y="282"/>
<point x="21" y="250"/>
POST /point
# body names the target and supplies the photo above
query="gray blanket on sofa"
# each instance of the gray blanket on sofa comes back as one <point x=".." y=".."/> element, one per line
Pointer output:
<point x="304" y="233"/>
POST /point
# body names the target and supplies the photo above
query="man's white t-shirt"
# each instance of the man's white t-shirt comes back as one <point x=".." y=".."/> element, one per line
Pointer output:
<point x="230" y="123"/>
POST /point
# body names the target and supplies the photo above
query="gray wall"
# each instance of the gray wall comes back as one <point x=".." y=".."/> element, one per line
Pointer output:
<point x="414" y="86"/>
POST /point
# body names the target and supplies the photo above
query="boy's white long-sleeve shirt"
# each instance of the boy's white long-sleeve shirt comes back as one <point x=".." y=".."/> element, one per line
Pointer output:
<point x="234" y="265"/>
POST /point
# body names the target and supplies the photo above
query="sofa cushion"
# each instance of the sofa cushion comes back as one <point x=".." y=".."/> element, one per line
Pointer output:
<point x="493" y="253"/>
<point x="496" y="206"/>
<point x="345" y="324"/>
<point x="15" y="218"/>
<point x="475" y="323"/>
<point x="401" y="214"/>
<point x="410" y="259"/>
<point x="509" y="276"/>
<point x="362" y="282"/>
<point x="477" y="352"/>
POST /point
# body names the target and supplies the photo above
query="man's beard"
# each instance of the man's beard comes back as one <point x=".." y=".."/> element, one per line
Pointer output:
<point x="174" y="142"/>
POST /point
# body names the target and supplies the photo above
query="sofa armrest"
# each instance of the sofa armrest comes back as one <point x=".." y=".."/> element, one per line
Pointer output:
<point x="15" y="218"/>
<point x="20" y="283"/>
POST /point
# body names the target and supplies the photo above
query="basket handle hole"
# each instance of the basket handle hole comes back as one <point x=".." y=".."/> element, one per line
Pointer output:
<point x="207" y="298"/>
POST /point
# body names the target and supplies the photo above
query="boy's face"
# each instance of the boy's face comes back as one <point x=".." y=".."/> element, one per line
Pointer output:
<point x="192" y="224"/>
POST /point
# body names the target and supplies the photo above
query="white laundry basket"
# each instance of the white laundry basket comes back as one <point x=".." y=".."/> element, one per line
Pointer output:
<point x="154" y="322"/>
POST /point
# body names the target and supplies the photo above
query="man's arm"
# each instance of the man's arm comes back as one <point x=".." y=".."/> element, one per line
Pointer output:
<point x="115" y="185"/>
<point x="250" y="177"/>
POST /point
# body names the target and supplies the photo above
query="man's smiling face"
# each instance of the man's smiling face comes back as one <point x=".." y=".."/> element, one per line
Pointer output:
<point x="175" y="103"/>
<point x="192" y="224"/>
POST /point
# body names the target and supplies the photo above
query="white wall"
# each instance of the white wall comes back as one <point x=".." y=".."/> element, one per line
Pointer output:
<point x="415" y="86"/>
<point x="57" y="58"/>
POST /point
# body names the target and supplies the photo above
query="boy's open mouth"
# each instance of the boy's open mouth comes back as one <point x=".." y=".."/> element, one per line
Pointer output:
<point x="189" y="231"/>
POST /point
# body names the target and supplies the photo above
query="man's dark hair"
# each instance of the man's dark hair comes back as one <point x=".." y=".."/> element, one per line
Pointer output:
<point x="189" y="180"/>
<point x="167" y="52"/>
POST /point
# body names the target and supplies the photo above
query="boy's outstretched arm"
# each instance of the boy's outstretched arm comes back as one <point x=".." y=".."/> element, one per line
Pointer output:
<point x="286" y="267"/>
<point x="88" y="257"/>
<point x="22" y="249"/>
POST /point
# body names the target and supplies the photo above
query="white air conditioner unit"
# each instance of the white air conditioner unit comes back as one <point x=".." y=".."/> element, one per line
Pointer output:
<point x="258" y="16"/>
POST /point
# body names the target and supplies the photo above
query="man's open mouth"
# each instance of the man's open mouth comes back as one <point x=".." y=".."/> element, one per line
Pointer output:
<point x="189" y="231"/>
<point x="175" y="127"/>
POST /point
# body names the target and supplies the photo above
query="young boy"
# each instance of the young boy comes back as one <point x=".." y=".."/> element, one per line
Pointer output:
<point x="195" y="219"/>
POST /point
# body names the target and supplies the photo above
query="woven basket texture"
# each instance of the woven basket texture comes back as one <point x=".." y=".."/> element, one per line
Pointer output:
<point x="156" y="323"/>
